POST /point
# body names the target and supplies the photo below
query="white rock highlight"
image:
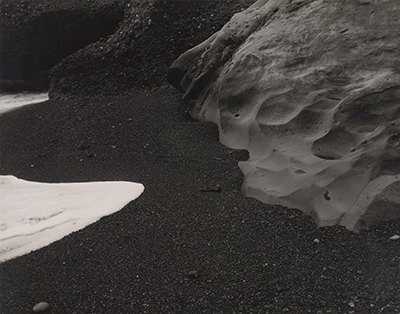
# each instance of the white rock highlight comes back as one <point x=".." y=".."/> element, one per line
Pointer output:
<point x="33" y="214"/>
<point x="312" y="90"/>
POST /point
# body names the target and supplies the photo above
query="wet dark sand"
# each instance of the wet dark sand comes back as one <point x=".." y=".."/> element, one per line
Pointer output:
<point x="191" y="243"/>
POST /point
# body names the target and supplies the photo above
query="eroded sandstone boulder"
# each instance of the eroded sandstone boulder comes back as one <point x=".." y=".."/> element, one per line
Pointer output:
<point x="312" y="90"/>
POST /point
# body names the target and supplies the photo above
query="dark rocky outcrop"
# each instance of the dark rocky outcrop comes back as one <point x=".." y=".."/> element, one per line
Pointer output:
<point x="140" y="52"/>
<point x="101" y="47"/>
<point x="35" y="35"/>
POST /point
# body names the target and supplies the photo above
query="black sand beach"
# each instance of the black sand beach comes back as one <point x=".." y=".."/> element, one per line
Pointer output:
<point x="249" y="256"/>
<point x="191" y="243"/>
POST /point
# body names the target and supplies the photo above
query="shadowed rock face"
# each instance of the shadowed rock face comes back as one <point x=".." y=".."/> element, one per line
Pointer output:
<point x="312" y="90"/>
<point x="35" y="35"/>
<point x="76" y="48"/>
<point x="138" y="54"/>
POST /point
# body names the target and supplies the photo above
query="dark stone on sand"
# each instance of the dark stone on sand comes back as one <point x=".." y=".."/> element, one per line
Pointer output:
<point x="193" y="274"/>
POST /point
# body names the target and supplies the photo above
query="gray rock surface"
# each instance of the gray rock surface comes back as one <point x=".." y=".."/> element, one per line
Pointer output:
<point x="312" y="90"/>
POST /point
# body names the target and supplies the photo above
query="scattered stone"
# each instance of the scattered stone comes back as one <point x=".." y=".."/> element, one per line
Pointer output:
<point x="395" y="237"/>
<point x="280" y="288"/>
<point x="393" y="263"/>
<point x="193" y="274"/>
<point x="316" y="241"/>
<point x="41" y="307"/>
<point x="216" y="189"/>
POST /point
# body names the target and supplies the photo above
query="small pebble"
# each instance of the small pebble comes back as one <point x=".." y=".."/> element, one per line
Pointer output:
<point x="393" y="263"/>
<point x="279" y="288"/>
<point x="395" y="237"/>
<point x="316" y="241"/>
<point x="193" y="274"/>
<point x="41" y="307"/>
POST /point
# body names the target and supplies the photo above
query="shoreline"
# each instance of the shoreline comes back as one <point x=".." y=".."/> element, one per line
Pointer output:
<point x="247" y="256"/>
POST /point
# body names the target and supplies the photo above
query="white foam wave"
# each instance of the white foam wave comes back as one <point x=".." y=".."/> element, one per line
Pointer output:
<point x="34" y="214"/>
<point x="13" y="101"/>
